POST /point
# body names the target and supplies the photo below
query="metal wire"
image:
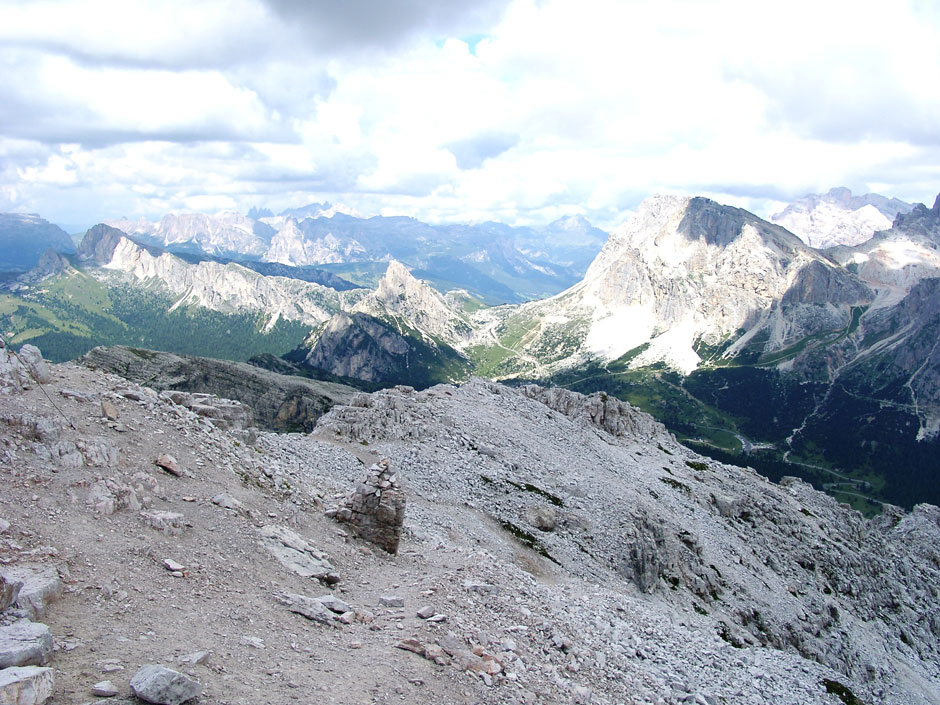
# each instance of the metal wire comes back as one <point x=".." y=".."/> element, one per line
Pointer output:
<point x="29" y="369"/>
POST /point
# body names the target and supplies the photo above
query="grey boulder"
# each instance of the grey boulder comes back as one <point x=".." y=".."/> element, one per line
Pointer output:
<point x="163" y="686"/>
<point x="25" y="643"/>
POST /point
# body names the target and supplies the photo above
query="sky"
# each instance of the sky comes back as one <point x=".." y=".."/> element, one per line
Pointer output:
<point x="519" y="111"/>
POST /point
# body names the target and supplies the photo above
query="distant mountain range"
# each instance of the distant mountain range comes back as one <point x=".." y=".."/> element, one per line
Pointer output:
<point x="729" y="328"/>
<point x="493" y="262"/>
<point x="24" y="237"/>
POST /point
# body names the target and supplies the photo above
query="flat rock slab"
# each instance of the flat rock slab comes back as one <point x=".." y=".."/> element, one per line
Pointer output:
<point x="296" y="554"/>
<point x="167" y="523"/>
<point x="226" y="501"/>
<point x="170" y="464"/>
<point x="334" y="604"/>
<point x="26" y="685"/>
<point x="104" y="689"/>
<point x="309" y="607"/>
<point x="41" y="586"/>
<point x="163" y="686"/>
<point x="25" y="643"/>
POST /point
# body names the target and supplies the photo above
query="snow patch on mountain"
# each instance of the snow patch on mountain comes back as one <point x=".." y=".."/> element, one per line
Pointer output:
<point x="618" y="332"/>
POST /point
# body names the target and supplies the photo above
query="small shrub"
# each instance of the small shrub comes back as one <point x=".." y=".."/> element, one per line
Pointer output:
<point x="845" y="695"/>
<point x="676" y="484"/>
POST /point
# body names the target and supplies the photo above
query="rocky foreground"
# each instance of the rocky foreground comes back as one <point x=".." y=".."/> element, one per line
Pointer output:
<point x="555" y="549"/>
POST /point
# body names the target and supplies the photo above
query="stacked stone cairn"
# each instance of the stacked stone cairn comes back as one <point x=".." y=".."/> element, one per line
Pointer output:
<point x="376" y="508"/>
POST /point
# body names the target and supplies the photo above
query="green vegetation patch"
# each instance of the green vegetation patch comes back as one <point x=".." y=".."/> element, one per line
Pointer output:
<point x="557" y="501"/>
<point x="844" y="694"/>
<point x="527" y="539"/>
<point x="675" y="484"/>
<point x="73" y="313"/>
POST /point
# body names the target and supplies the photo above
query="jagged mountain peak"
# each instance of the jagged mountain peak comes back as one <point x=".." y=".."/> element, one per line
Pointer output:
<point x="718" y="224"/>
<point x="98" y="244"/>
<point x="399" y="287"/>
<point x="920" y="219"/>
<point x="399" y="293"/>
<point x="691" y="231"/>
<point x="838" y="217"/>
<point x="686" y="270"/>
<point x="572" y="222"/>
<point x="398" y="280"/>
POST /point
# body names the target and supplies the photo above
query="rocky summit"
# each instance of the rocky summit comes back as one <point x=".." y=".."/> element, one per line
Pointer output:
<point x="554" y="548"/>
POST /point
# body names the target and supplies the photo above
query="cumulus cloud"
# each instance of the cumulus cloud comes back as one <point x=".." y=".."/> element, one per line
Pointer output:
<point x="514" y="110"/>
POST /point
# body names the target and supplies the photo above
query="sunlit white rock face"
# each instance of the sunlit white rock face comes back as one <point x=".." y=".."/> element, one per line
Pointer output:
<point x="895" y="260"/>
<point x="293" y="247"/>
<point x="688" y="269"/>
<point x="224" y="233"/>
<point x="838" y="217"/>
<point x="401" y="294"/>
<point x="226" y="288"/>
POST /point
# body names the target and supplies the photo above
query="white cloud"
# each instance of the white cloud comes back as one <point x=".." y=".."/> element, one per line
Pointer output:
<point x="558" y="107"/>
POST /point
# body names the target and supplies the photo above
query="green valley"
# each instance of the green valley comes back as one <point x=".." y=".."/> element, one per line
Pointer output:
<point x="69" y="314"/>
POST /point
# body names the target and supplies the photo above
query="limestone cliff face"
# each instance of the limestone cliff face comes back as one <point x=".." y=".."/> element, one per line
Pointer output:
<point x="98" y="245"/>
<point x="381" y="352"/>
<point x="294" y="246"/>
<point x="894" y="357"/>
<point x="226" y="233"/>
<point x="399" y="294"/>
<point x="358" y="346"/>
<point x="219" y="287"/>
<point x="897" y="258"/>
<point x="684" y="270"/>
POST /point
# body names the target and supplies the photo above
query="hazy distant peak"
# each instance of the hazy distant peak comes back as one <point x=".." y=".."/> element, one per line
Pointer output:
<point x="838" y="217"/>
<point x="920" y="219"/>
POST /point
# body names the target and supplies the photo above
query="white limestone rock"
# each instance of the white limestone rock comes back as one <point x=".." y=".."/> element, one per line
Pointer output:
<point x="26" y="685"/>
<point x="41" y="586"/>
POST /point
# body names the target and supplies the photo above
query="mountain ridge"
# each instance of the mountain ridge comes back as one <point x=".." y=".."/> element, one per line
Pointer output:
<point x="498" y="262"/>
<point x="25" y="236"/>
<point x="839" y="218"/>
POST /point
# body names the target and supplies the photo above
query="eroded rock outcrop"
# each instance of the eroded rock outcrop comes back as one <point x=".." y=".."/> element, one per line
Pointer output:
<point x="278" y="402"/>
<point x="616" y="417"/>
<point x="22" y="368"/>
<point x="376" y="508"/>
